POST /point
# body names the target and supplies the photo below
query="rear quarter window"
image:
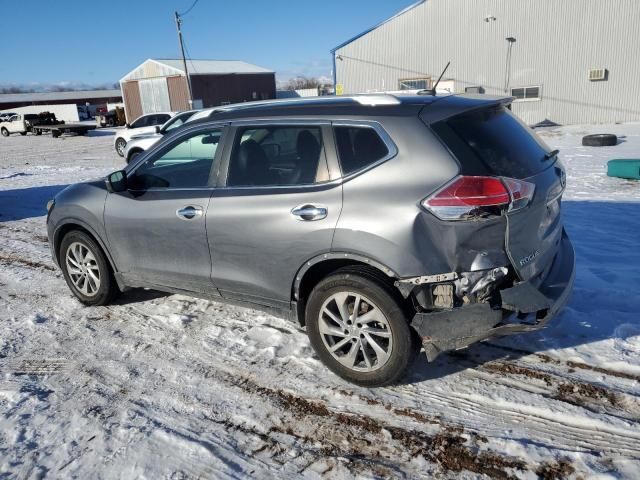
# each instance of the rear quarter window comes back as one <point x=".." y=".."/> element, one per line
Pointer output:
<point x="493" y="141"/>
<point x="359" y="147"/>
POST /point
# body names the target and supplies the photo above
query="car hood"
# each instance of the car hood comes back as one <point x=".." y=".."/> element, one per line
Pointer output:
<point x="71" y="191"/>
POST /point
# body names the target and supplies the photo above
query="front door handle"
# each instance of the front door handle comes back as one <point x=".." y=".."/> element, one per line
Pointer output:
<point x="189" y="212"/>
<point x="309" y="212"/>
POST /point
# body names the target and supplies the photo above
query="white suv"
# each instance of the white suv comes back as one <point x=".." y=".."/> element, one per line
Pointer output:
<point x="144" y="124"/>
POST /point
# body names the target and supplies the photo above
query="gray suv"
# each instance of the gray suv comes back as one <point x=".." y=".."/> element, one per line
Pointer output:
<point x="380" y="223"/>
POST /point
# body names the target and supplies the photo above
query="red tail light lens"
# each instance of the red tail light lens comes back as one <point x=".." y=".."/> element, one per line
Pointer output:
<point x="469" y="197"/>
<point x="521" y="193"/>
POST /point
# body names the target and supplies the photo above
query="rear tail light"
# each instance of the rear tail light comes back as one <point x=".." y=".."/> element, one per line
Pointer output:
<point x="469" y="197"/>
<point x="521" y="193"/>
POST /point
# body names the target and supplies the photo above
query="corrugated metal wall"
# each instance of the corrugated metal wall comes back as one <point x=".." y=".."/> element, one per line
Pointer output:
<point x="216" y="90"/>
<point x="154" y="95"/>
<point x="131" y="97"/>
<point x="558" y="42"/>
<point x="178" y="93"/>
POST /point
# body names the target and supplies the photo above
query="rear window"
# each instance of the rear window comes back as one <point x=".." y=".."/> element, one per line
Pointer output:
<point x="359" y="147"/>
<point x="494" y="141"/>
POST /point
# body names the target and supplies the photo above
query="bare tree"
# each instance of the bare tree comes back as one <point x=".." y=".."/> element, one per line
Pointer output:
<point x="60" y="88"/>
<point x="16" y="90"/>
<point x="301" y="82"/>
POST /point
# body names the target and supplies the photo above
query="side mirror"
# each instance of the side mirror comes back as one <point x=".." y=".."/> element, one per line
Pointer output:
<point x="157" y="128"/>
<point x="116" y="181"/>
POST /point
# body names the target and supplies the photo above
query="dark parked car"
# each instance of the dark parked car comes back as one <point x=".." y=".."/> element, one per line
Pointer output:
<point x="379" y="223"/>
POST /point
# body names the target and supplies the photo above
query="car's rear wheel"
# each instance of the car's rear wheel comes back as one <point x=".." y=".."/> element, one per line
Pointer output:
<point x="120" y="145"/>
<point x="86" y="270"/>
<point x="359" y="330"/>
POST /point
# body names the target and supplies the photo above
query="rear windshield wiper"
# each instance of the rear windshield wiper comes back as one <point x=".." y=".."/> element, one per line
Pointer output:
<point x="551" y="154"/>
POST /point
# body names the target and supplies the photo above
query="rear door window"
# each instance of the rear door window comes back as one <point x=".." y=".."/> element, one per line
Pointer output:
<point x="358" y="147"/>
<point x="494" y="141"/>
<point x="277" y="156"/>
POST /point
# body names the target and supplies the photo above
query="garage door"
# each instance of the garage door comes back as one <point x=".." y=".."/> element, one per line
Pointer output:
<point x="154" y="95"/>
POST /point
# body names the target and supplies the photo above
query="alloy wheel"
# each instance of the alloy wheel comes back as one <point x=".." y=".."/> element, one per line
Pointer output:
<point x="120" y="145"/>
<point x="83" y="269"/>
<point x="355" y="331"/>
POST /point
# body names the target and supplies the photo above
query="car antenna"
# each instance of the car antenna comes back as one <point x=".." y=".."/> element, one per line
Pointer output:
<point x="432" y="90"/>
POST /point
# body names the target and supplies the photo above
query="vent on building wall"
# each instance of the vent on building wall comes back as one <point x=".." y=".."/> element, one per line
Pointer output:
<point x="598" y="74"/>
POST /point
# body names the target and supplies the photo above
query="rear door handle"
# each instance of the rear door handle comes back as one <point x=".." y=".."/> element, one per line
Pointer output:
<point x="189" y="212"/>
<point x="309" y="212"/>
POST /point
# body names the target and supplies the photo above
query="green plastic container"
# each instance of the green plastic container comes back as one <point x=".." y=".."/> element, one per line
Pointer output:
<point x="624" y="168"/>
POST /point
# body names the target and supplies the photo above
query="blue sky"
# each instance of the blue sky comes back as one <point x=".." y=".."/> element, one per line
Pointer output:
<point x="96" y="42"/>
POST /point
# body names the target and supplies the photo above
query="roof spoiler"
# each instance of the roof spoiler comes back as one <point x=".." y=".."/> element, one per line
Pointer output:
<point x="450" y="106"/>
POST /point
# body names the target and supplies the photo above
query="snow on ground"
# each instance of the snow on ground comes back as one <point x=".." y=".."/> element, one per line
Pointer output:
<point x="167" y="386"/>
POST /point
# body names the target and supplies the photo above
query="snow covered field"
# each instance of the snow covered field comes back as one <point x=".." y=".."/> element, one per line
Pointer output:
<point x="166" y="386"/>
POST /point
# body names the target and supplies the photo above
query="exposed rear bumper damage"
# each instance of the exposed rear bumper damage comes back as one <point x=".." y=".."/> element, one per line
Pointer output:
<point x="525" y="307"/>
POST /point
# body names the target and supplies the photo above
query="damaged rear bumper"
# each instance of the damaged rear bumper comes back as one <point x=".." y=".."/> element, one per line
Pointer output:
<point x="527" y="306"/>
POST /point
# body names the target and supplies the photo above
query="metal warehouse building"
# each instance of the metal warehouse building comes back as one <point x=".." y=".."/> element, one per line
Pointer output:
<point x="569" y="61"/>
<point x="161" y="85"/>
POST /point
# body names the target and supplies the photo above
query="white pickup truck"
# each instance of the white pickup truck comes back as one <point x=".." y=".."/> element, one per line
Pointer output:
<point x="18" y="123"/>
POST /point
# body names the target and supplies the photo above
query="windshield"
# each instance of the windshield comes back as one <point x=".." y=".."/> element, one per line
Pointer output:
<point x="178" y="120"/>
<point x="202" y="114"/>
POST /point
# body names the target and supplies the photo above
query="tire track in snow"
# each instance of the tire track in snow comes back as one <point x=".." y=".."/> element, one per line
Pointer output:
<point x="456" y="408"/>
<point x="151" y="317"/>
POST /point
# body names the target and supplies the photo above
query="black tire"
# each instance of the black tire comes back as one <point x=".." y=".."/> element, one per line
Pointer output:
<point x="600" y="140"/>
<point x="23" y="133"/>
<point x="55" y="133"/>
<point x="108" y="289"/>
<point x="133" y="155"/>
<point x="367" y="283"/>
<point x="121" y="143"/>
<point x="37" y="131"/>
<point x="4" y="132"/>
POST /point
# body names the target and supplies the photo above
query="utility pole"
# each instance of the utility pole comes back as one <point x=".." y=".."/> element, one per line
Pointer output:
<point x="184" y="60"/>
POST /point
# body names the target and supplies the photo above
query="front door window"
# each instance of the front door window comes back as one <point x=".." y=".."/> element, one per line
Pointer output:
<point x="185" y="165"/>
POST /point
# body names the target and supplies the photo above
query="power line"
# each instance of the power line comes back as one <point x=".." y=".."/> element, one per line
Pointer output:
<point x="188" y="9"/>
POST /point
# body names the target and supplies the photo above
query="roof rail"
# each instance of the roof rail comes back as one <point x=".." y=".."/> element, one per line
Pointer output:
<point x="362" y="99"/>
<point x="376" y="99"/>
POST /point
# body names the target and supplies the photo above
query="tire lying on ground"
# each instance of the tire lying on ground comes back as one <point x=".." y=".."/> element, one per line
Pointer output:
<point x="600" y="140"/>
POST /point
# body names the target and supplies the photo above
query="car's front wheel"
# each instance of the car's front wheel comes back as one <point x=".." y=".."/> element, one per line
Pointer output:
<point x="133" y="155"/>
<point x="120" y="145"/>
<point x="4" y="132"/>
<point x="86" y="270"/>
<point x="359" y="330"/>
